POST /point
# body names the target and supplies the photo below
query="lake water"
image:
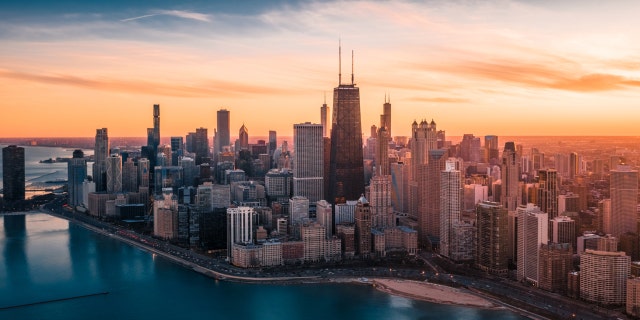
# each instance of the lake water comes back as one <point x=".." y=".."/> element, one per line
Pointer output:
<point x="47" y="258"/>
<point x="36" y="172"/>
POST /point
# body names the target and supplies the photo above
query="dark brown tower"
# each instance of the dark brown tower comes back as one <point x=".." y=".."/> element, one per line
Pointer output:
<point x="346" y="175"/>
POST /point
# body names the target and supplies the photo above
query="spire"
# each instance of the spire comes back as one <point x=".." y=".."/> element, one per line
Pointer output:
<point x="325" y="97"/>
<point x="339" y="61"/>
<point x="352" y="67"/>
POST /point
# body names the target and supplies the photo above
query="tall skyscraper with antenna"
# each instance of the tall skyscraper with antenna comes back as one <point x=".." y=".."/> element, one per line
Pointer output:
<point x="346" y="173"/>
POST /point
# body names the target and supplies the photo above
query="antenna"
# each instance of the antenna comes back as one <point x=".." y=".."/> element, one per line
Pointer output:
<point x="339" y="61"/>
<point x="352" y="67"/>
<point x="325" y="97"/>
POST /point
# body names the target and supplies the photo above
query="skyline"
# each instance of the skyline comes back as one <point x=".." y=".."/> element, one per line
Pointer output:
<point x="510" y="67"/>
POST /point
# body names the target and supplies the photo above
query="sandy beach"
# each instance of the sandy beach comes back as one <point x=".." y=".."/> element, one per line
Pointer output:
<point x="431" y="292"/>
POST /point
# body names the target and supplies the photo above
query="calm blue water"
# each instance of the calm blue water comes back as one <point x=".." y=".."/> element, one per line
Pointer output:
<point x="49" y="258"/>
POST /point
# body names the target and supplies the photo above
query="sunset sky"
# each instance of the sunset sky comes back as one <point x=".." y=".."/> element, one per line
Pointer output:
<point x="482" y="67"/>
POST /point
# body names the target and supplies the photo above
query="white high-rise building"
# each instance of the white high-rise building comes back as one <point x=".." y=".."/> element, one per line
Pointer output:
<point x="239" y="227"/>
<point x="533" y="231"/>
<point x="308" y="161"/>
<point x="451" y="202"/>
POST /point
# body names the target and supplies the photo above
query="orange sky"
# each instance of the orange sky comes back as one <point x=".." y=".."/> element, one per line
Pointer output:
<point x="500" y="67"/>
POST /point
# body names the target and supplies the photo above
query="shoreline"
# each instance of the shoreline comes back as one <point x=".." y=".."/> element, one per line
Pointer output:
<point x="410" y="289"/>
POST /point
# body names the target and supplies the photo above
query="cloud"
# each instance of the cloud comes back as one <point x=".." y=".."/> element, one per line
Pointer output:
<point x="174" y="13"/>
<point x="204" y="89"/>
<point x="438" y="99"/>
<point x="544" y="74"/>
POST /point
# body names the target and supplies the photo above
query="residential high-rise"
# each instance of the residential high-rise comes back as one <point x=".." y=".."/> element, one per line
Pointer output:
<point x="308" y="164"/>
<point x="13" y="173"/>
<point x="324" y="216"/>
<point x="492" y="242"/>
<point x="346" y="173"/>
<point x="633" y="297"/>
<point x="555" y="265"/>
<point x="101" y="152"/>
<point x="223" y="130"/>
<point x="114" y="174"/>
<point x="363" y="228"/>
<point x="451" y="202"/>
<point x="165" y="216"/>
<point x="298" y="213"/>
<point x="380" y="202"/>
<point x="562" y="229"/>
<point x="624" y="200"/>
<point x="511" y="193"/>
<point x="429" y="197"/>
<point x="239" y="228"/>
<point x="533" y="231"/>
<point x="423" y="140"/>
<point x="548" y="185"/>
<point x="76" y="173"/>
<point x="603" y="276"/>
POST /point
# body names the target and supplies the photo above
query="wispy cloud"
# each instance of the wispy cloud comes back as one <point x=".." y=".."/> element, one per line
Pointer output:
<point x="438" y="99"/>
<point x="174" y="13"/>
<point x="204" y="88"/>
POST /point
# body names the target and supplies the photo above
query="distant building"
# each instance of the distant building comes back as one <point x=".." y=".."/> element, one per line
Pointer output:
<point x="76" y="174"/>
<point x="101" y="152"/>
<point x="363" y="228"/>
<point x="624" y="200"/>
<point x="13" y="173"/>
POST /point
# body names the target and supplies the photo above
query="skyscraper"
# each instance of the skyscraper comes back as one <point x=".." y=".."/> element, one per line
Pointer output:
<point x="363" y="228"/>
<point x="324" y="117"/>
<point x="511" y="194"/>
<point x="114" y="174"/>
<point x="273" y="142"/>
<point x="223" y="131"/>
<point x="346" y="176"/>
<point x="385" y="117"/>
<point x="308" y="168"/>
<point x="491" y="145"/>
<point x="76" y="173"/>
<point x="13" y="173"/>
<point x="201" y="145"/>
<point x="380" y="202"/>
<point x="243" y="138"/>
<point x="101" y="152"/>
<point x="492" y="242"/>
<point x="624" y="200"/>
<point x="533" y="231"/>
<point x="239" y="227"/>
<point x="548" y="192"/>
<point x="451" y="202"/>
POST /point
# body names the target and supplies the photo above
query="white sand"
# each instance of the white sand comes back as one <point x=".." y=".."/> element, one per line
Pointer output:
<point x="431" y="292"/>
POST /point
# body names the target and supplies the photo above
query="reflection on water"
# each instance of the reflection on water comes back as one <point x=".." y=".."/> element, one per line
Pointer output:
<point x="48" y="258"/>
